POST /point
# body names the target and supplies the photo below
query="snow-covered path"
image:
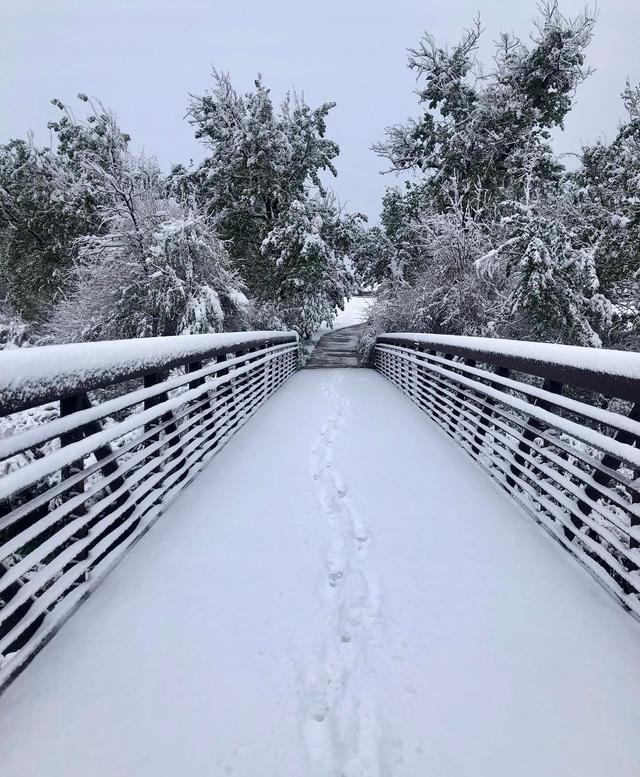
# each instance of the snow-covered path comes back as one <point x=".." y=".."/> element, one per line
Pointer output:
<point x="340" y="593"/>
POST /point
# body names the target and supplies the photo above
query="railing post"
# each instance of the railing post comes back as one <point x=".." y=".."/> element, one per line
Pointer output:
<point x="452" y="424"/>
<point x="194" y="367"/>
<point x="486" y="412"/>
<point x="149" y="381"/>
<point x="264" y="382"/>
<point x="553" y="387"/>
<point x="423" y="400"/>
<point x="171" y="428"/>
<point x="224" y="396"/>
<point x="602" y="479"/>
<point x="435" y="407"/>
<point x="195" y="383"/>
<point x="634" y="521"/>
<point x="68" y="406"/>
<point x="81" y="402"/>
<point x="459" y="393"/>
<point x="234" y="420"/>
<point x="610" y="462"/>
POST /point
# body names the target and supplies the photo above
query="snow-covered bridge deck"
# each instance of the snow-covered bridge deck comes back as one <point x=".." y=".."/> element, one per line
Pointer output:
<point x="340" y="592"/>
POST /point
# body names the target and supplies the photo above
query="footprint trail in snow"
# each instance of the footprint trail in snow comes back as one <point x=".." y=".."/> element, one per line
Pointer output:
<point x="340" y="722"/>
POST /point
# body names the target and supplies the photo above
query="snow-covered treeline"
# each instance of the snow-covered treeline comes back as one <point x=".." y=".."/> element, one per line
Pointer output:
<point x="491" y="234"/>
<point x="97" y="243"/>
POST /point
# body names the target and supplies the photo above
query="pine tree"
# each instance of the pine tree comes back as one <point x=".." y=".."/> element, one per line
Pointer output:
<point x="476" y="126"/>
<point x="42" y="212"/>
<point x="306" y="252"/>
<point x="605" y="212"/>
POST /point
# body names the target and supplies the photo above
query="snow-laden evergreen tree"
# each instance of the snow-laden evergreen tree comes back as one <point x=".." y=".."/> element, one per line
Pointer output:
<point x="93" y="246"/>
<point x="261" y="182"/>
<point x="306" y="252"/>
<point x="42" y="212"/>
<point x="373" y="257"/>
<point x="570" y="255"/>
<point x="477" y="128"/>
<point x="547" y="277"/>
<point x="432" y="284"/>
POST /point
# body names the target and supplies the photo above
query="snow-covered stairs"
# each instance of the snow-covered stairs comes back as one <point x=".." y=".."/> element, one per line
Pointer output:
<point x="337" y="349"/>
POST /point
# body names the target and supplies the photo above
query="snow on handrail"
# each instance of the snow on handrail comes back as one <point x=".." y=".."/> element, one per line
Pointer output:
<point x="572" y="461"/>
<point x="612" y="372"/>
<point x="33" y="376"/>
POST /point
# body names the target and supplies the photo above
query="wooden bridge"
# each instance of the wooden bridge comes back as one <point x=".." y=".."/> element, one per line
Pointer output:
<point x="355" y="585"/>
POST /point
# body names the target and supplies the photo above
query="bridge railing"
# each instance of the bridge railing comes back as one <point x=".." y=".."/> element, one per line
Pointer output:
<point x="557" y="426"/>
<point x="95" y="440"/>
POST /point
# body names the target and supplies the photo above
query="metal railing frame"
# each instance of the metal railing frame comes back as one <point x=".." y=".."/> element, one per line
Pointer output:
<point x="131" y="433"/>
<point x="539" y="426"/>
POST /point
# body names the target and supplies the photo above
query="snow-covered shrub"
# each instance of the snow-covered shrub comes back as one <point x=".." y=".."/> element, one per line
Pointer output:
<point x="434" y="285"/>
<point x="14" y="332"/>
<point x="158" y="268"/>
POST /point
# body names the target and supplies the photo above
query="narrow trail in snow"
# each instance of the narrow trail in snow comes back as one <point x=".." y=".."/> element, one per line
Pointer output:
<point x="340" y="722"/>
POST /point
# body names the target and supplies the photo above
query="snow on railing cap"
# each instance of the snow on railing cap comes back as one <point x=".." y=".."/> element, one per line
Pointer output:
<point x="609" y="371"/>
<point x="31" y="376"/>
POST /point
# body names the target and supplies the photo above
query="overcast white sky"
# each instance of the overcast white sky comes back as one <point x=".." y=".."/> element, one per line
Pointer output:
<point x="143" y="57"/>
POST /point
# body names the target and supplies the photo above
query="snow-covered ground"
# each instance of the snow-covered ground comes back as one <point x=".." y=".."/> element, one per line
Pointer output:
<point x="340" y="593"/>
